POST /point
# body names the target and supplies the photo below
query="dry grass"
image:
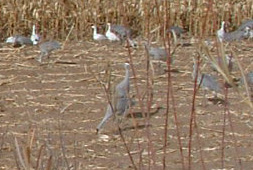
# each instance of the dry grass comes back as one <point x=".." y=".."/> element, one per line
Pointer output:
<point x="58" y="103"/>
<point x="55" y="18"/>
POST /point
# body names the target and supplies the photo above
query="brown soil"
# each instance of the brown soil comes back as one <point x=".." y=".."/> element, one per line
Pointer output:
<point x="61" y="101"/>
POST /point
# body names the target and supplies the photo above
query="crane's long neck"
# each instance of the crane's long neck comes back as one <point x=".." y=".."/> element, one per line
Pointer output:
<point x="223" y="26"/>
<point x="34" y="31"/>
<point x="109" y="27"/>
<point x="127" y="75"/>
<point x="194" y="73"/>
<point x="147" y="47"/>
<point x="95" y="31"/>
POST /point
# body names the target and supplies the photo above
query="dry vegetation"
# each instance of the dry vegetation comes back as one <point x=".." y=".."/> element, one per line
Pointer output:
<point x="55" y="18"/>
<point x="49" y="112"/>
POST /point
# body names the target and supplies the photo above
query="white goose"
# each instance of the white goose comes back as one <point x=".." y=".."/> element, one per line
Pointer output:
<point x="35" y="37"/>
<point x="22" y="40"/>
<point x="221" y="32"/>
<point x="96" y="36"/>
<point x="110" y="35"/>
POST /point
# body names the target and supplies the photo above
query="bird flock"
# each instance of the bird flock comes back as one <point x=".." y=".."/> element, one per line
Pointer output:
<point x="121" y="101"/>
<point x="45" y="47"/>
<point x="204" y="80"/>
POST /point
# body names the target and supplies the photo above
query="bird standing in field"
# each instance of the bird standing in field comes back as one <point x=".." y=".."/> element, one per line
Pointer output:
<point x="96" y="36"/>
<point x="248" y="23"/>
<point x="19" y="40"/>
<point x="176" y="32"/>
<point x="228" y="62"/>
<point x="124" y="34"/>
<point x="111" y="35"/>
<point x="206" y="81"/>
<point x="34" y="37"/>
<point x="236" y="35"/>
<point x="248" y="32"/>
<point x="156" y="54"/>
<point x="121" y="101"/>
<point x="122" y="31"/>
<point x="249" y="80"/>
<point x="47" y="47"/>
<point x="221" y="32"/>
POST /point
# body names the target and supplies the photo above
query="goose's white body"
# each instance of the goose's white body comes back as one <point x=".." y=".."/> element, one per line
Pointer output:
<point x="35" y="37"/>
<point x="22" y="40"/>
<point x="221" y="32"/>
<point x="110" y="35"/>
<point x="96" y="36"/>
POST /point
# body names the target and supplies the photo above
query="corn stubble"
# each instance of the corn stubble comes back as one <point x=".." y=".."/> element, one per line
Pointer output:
<point x="55" y="18"/>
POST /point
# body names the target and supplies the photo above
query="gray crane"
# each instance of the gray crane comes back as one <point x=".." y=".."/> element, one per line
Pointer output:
<point x="229" y="63"/>
<point x="156" y="53"/>
<point x="248" y="23"/>
<point x="124" y="33"/>
<point x="177" y="30"/>
<point x="248" y="32"/>
<point x="249" y="79"/>
<point x="248" y="27"/>
<point x="19" y="40"/>
<point x="206" y="81"/>
<point x="236" y="35"/>
<point x="121" y="101"/>
<point x="47" y="47"/>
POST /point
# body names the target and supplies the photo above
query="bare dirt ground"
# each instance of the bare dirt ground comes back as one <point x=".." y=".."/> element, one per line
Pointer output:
<point x="52" y="109"/>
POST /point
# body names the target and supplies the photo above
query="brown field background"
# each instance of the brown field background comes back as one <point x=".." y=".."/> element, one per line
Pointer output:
<point x="55" y="18"/>
<point x="49" y="112"/>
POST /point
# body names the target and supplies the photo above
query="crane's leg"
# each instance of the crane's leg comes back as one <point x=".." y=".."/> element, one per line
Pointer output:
<point x="39" y="59"/>
<point x="107" y="116"/>
<point x="204" y="100"/>
<point x="152" y="67"/>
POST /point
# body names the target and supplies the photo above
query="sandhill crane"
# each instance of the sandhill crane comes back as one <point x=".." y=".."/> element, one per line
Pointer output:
<point x="206" y="81"/>
<point x="177" y="30"/>
<point x="249" y="79"/>
<point x="122" y="31"/>
<point x="229" y="62"/>
<point x="236" y="35"/>
<point x="121" y="101"/>
<point x="248" y="32"/>
<point x="19" y="40"/>
<point x="248" y="23"/>
<point x="96" y="36"/>
<point x="34" y="37"/>
<point x="111" y="35"/>
<point x="47" y="47"/>
<point x="156" y="53"/>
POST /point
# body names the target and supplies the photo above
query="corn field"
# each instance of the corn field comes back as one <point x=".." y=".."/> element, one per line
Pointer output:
<point x="55" y="18"/>
<point x="49" y="110"/>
